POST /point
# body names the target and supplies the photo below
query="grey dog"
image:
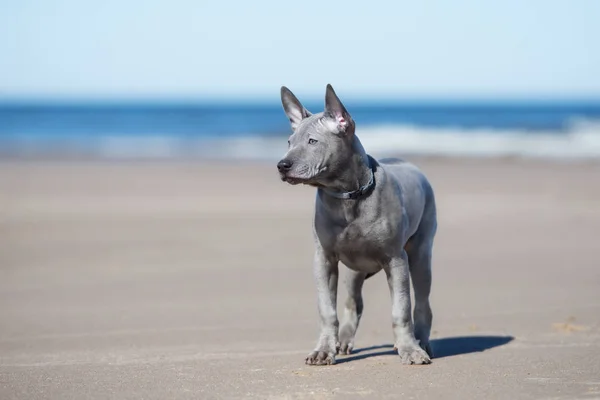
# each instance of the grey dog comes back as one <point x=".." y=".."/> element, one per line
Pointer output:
<point x="370" y="215"/>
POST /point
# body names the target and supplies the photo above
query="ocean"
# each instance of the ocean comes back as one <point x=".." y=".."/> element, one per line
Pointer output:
<point x="259" y="131"/>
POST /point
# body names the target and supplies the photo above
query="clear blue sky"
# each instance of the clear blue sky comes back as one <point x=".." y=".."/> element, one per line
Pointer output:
<point x="204" y="48"/>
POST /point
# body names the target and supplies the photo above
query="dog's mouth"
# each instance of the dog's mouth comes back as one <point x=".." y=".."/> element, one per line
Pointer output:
<point x="292" y="180"/>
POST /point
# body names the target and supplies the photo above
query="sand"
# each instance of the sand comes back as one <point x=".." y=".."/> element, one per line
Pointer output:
<point x="189" y="280"/>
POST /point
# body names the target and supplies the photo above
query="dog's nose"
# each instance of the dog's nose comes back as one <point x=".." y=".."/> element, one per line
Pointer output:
<point x="284" y="165"/>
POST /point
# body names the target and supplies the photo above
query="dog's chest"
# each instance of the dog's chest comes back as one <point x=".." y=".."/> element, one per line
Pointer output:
<point x="361" y="246"/>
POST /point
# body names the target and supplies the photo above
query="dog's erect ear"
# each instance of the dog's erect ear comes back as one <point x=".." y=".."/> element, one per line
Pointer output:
<point x="293" y="108"/>
<point x="336" y="110"/>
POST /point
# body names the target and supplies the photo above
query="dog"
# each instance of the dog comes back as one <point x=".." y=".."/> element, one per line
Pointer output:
<point x="371" y="215"/>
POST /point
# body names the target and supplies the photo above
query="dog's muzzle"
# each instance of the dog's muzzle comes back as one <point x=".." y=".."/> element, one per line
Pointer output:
<point x="284" y="166"/>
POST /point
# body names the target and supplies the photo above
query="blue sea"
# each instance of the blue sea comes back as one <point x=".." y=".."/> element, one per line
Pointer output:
<point x="259" y="131"/>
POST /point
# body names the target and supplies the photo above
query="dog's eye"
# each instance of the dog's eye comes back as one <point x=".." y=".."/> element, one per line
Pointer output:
<point x="312" y="141"/>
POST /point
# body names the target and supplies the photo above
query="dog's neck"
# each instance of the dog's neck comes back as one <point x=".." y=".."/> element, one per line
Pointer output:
<point x="356" y="174"/>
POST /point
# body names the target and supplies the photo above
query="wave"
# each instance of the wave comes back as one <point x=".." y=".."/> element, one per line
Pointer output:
<point x="580" y="141"/>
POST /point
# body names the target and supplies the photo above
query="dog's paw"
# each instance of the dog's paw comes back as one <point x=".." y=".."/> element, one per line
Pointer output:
<point x="425" y="345"/>
<point x="320" y="358"/>
<point x="344" y="347"/>
<point x="346" y="343"/>
<point x="413" y="354"/>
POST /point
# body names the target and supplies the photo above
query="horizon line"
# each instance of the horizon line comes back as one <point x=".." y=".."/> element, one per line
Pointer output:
<point x="261" y="100"/>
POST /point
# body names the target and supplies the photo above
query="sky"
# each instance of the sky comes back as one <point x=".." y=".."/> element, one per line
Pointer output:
<point x="195" y="49"/>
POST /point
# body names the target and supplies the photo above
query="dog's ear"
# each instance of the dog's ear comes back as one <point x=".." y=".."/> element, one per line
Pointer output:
<point x="293" y="108"/>
<point x="337" y="111"/>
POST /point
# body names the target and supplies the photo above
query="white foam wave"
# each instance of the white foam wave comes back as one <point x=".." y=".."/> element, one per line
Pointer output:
<point x="582" y="141"/>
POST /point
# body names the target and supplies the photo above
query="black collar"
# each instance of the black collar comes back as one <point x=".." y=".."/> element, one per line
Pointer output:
<point x="355" y="194"/>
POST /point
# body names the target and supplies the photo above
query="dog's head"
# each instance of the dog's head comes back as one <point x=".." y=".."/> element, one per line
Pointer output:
<point x="320" y="145"/>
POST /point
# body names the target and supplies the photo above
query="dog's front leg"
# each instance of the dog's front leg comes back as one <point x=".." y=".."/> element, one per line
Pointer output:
<point x="398" y="278"/>
<point x="326" y="277"/>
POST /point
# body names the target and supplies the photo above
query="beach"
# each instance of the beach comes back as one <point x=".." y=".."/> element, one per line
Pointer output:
<point x="189" y="279"/>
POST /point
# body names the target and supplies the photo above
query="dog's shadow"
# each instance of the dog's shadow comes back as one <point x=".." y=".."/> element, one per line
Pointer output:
<point x="446" y="347"/>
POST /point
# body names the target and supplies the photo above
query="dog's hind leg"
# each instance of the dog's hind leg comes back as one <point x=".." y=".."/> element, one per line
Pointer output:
<point x="352" y="311"/>
<point x="419" y="249"/>
<point x="419" y="261"/>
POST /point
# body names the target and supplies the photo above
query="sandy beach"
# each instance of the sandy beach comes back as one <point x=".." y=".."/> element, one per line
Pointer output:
<point x="191" y="280"/>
